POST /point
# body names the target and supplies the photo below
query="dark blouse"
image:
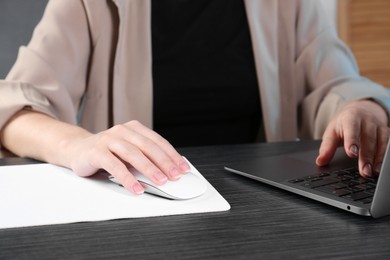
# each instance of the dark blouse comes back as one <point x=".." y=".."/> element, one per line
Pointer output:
<point x="204" y="80"/>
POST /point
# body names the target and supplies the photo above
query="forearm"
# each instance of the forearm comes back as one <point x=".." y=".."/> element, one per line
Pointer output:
<point x="38" y="136"/>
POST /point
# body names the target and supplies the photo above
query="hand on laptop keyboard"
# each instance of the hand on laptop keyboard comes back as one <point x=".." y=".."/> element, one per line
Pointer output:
<point x="362" y="126"/>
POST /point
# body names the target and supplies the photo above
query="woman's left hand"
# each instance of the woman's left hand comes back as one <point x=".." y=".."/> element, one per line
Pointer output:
<point x="362" y="126"/>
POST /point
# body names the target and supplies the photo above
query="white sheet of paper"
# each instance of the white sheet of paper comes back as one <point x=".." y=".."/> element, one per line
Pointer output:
<point x="45" y="194"/>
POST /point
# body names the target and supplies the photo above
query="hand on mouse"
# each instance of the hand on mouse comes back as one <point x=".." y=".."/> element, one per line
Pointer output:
<point x="128" y="144"/>
<point x="363" y="128"/>
<point x="113" y="150"/>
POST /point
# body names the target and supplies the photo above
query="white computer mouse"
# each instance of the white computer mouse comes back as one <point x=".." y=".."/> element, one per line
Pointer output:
<point x="187" y="187"/>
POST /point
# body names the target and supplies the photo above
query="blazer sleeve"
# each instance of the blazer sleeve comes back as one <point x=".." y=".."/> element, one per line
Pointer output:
<point x="329" y="71"/>
<point x="50" y="74"/>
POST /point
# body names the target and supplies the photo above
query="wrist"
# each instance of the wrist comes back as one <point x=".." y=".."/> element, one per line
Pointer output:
<point x="67" y="147"/>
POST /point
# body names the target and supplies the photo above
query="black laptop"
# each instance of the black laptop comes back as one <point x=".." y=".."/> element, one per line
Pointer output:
<point x="338" y="184"/>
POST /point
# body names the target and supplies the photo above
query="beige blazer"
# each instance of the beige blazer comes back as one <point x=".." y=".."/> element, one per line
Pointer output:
<point x="89" y="62"/>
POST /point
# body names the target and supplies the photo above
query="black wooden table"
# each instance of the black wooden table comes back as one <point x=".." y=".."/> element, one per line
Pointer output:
<point x="263" y="223"/>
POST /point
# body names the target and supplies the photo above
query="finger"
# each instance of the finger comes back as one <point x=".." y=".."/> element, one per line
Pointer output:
<point x="149" y="149"/>
<point x="162" y="143"/>
<point x="367" y="149"/>
<point x="351" y="127"/>
<point x="133" y="156"/>
<point x="116" y="168"/>
<point x="329" y="144"/>
<point x="156" y="155"/>
<point x="382" y="140"/>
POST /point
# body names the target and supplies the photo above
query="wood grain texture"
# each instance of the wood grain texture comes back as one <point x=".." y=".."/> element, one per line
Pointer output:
<point x="365" y="27"/>
<point x="263" y="223"/>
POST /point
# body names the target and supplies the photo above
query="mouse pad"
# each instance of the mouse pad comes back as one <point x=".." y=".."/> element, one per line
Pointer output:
<point x="45" y="194"/>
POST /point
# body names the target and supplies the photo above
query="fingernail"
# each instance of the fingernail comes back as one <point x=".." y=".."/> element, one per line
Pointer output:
<point x="354" y="150"/>
<point x="367" y="170"/>
<point x="138" y="189"/>
<point x="184" y="167"/>
<point x="175" y="174"/>
<point x="160" y="177"/>
<point x="378" y="167"/>
<point x="318" y="160"/>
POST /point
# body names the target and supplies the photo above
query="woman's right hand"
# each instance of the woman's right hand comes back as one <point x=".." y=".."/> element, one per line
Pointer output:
<point x="115" y="149"/>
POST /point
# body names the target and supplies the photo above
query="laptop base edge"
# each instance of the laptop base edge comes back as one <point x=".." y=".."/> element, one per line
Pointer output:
<point x="362" y="211"/>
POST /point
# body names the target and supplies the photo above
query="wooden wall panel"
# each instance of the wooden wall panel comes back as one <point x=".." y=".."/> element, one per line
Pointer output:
<point x="365" y="26"/>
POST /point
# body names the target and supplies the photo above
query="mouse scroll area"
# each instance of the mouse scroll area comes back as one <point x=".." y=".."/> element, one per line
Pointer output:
<point x="189" y="186"/>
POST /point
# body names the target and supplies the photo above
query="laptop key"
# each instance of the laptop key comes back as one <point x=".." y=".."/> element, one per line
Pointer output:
<point x="350" y="183"/>
<point x="319" y="183"/>
<point x="330" y="190"/>
<point x="323" y="174"/>
<point x="296" y="180"/>
<point x="337" y="186"/>
<point x="355" y="189"/>
<point x="358" y="196"/>
<point x="361" y="180"/>
<point x="366" y="200"/>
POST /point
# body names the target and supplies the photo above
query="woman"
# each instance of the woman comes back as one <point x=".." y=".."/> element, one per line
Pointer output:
<point x="198" y="66"/>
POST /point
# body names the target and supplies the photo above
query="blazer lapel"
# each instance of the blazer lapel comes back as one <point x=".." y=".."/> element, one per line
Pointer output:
<point x="132" y="91"/>
<point x="272" y="45"/>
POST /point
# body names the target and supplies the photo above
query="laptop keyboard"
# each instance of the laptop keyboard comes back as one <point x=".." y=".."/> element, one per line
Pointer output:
<point x="346" y="183"/>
